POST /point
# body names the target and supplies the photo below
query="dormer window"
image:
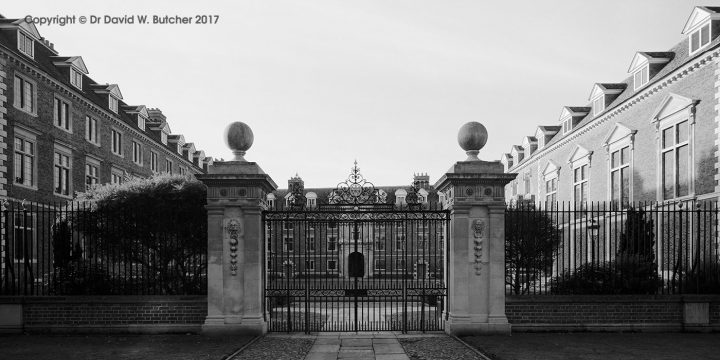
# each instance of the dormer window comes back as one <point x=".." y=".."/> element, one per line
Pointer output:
<point x="141" y="122"/>
<point x="163" y="137"/>
<point x="26" y="44"/>
<point x="113" y="104"/>
<point x="641" y="77"/>
<point x="76" y="78"/>
<point x="700" y="38"/>
<point x="567" y="125"/>
<point x="598" y="105"/>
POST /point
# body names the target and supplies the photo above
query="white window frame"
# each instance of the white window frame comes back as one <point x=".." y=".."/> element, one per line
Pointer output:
<point x="141" y="122"/>
<point x="137" y="153"/>
<point x="117" y="176"/>
<point x="23" y="38"/>
<point x="310" y="265"/>
<point x="697" y="32"/>
<point x="76" y="78"/>
<point x="91" y="179"/>
<point x="643" y="75"/>
<point x="66" y="152"/>
<point x="384" y="264"/>
<point x="163" y="137"/>
<point x="168" y="166"/>
<point x="20" y="100"/>
<point x="674" y="148"/>
<point x="113" y="103"/>
<point x="334" y="241"/>
<point x="33" y="241"/>
<point x="183" y="170"/>
<point x="60" y="122"/>
<point x="617" y="148"/>
<point x="582" y="182"/>
<point x="334" y="268"/>
<point x="92" y="133"/>
<point x="399" y="261"/>
<point x="153" y="161"/>
<point x="116" y="142"/>
<point x="288" y="240"/>
<point x="598" y="105"/>
<point x="551" y="172"/>
<point x="31" y="138"/>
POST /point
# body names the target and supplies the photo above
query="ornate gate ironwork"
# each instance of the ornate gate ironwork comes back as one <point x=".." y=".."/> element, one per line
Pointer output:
<point x="311" y="251"/>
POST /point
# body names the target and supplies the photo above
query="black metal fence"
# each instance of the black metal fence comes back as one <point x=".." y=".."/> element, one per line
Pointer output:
<point x="80" y="250"/>
<point x="600" y="248"/>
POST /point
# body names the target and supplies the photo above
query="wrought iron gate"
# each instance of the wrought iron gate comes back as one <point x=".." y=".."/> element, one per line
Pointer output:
<point x="355" y="263"/>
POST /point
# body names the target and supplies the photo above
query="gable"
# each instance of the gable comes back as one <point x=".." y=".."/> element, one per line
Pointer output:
<point x="114" y="90"/>
<point x="638" y="61"/>
<point x="672" y="104"/>
<point x="166" y="128"/>
<point x="596" y="92"/>
<point x="579" y="153"/>
<point x="619" y="132"/>
<point x="550" y="167"/>
<point x="28" y="28"/>
<point x="78" y="63"/>
<point x="698" y="17"/>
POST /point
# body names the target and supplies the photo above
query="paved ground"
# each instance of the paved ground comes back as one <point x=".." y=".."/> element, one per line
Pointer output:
<point x="596" y="346"/>
<point x="370" y="345"/>
<point x="118" y="347"/>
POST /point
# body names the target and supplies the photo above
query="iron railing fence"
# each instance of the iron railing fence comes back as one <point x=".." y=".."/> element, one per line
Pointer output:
<point x="602" y="248"/>
<point x="76" y="249"/>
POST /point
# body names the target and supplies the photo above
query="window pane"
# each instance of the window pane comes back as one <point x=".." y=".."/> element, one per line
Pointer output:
<point x="694" y="41"/>
<point x="705" y="35"/>
<point x="682" y="132"/>
<point x="615" y="185"/>
<point x="668" y="166"/>
<point x="614" y="159"/>
<point x="683" y="168"/>
<point x="667" y="137"/>
<point x="625" y="155"/>
<point x="625" y="194"/>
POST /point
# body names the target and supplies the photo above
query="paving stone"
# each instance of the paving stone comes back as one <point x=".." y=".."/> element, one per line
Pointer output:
<point x="357" y="342"/>
<point x="391" y="357"/>
<point x="327" y="341"/>
<point x="385" y="341"/>
<point x="321" y="356"/>
<point x="356" y="354"/>
<point x="325" y="348"/>
<point x="388" y="349"/>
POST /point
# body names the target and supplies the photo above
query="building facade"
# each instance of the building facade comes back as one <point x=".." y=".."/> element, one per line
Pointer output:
<point x="653" y="136"/>
<point x="321" y="249"/>
<point x="61" y="132"/>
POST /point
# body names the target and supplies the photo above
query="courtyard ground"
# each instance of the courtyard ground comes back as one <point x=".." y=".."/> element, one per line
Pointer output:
<point x="118" y="347"/>
<point x="596" y="346"/>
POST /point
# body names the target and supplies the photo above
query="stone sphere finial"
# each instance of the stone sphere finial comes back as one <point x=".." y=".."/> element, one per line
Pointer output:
<point x="239" y="138"/>
<point x="472" y="137"/>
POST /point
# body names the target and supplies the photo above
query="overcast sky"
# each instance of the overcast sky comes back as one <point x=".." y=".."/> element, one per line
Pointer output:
<point x="388" y="83"/>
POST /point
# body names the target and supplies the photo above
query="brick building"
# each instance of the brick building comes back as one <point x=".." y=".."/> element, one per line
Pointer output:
<point x="652" y="136"/>
<point x="61" y="132"/>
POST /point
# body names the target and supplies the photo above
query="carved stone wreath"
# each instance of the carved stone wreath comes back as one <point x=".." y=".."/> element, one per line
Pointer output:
<point x="233" y="228"/>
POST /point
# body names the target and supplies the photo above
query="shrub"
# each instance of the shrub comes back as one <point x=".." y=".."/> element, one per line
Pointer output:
<point x="156" y="226"/>
<point x="531" y="242"/>
<point x="624" y="275"/>
<point x="703" y="279"/>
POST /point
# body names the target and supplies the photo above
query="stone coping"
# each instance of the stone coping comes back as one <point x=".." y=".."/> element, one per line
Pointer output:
<point x="103" y="299"/>
<point x="609" y="298"/>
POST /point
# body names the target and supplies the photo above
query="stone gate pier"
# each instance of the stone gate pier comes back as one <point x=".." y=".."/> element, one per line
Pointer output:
<point x="475" y="195"/>
<point x="236" y="191"/>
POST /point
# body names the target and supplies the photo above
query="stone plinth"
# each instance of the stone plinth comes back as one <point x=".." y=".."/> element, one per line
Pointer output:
<point x="474" y="193"/>
<point x="236" y="191"/>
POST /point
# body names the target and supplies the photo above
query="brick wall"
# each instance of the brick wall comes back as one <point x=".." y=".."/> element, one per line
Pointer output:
<point x="567" y="313"/>
<point x="113" y="313"/>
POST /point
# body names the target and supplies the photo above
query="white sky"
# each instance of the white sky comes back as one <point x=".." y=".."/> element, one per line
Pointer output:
<point x="388" y="83"/>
